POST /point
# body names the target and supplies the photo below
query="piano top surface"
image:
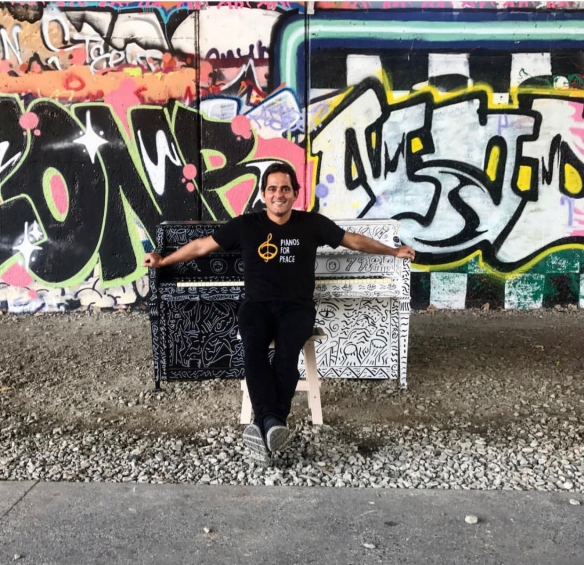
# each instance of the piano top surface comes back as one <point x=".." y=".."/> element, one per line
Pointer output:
<point x="192" y="222"/>
<point x="347" y="222"/>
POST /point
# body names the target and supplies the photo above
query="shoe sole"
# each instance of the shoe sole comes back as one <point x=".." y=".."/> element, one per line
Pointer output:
<point x="254" y="441"/>
<point x="279" y="438"/>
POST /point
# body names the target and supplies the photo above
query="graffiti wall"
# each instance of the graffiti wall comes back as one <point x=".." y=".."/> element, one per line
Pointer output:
<point x="464" y="120"/>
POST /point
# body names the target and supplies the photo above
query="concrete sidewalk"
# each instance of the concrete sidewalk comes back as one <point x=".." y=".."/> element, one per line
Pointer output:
<point x="106" y="523"/>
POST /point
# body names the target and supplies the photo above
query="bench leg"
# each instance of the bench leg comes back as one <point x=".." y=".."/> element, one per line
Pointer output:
<point x="313" y="383"/>
<point x="245" y="405"/>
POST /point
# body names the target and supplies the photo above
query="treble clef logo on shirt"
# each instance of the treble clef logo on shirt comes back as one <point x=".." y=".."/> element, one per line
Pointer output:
<point x="267" y="250"/>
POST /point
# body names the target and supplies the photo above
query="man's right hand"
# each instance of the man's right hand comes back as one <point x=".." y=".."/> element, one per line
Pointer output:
<point x="189" y="251"/>
<point x="153" y="260"/>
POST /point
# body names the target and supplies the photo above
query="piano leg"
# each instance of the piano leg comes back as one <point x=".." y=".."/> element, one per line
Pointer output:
<point x="155" y="329"/>
<point x="394" y="339"/>
<point x="404" y="330"/>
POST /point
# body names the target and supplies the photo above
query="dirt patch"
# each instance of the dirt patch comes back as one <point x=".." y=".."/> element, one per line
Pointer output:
<point x="469" y="368"/>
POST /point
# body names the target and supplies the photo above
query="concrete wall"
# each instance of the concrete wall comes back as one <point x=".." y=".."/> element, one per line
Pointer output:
<point x="462" y="119"/>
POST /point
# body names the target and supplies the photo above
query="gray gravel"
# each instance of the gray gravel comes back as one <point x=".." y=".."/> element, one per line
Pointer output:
<point x="495" y="402"/>
<point x="531" y="456"/>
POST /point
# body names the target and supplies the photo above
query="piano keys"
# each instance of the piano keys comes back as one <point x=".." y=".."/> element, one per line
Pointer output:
<point x="362" y="305"/>
<point x="345" y="287"/>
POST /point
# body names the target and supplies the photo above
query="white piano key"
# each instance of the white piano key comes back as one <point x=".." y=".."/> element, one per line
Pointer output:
<point x="199" y="284"/>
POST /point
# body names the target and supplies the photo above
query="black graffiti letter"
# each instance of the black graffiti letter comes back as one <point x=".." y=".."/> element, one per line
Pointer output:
<point x="64" y="180"/>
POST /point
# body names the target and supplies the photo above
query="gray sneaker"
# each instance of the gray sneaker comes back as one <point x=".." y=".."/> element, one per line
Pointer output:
<point x="254" y="441"/>
<point x="279" y="438"/>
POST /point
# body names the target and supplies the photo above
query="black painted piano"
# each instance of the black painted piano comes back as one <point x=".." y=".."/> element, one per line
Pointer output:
<point x="362" y="302"/>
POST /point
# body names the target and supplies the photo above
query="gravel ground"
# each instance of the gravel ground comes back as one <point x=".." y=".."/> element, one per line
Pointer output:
<point x="495" y="401"/>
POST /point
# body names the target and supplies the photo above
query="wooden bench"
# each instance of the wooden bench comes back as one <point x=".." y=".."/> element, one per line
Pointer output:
<point x="310" y="385"/>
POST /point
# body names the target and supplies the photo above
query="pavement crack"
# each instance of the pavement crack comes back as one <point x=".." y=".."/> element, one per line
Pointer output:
<point x="19" y="499"/>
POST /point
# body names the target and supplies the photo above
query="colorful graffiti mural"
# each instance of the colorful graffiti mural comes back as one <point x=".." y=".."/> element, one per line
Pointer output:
<point x="462" y="122"/>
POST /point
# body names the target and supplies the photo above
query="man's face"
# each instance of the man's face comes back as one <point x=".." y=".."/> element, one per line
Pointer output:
<point x="279" y="195"/>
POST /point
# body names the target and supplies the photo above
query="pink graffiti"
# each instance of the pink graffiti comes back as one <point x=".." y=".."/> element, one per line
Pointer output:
<point x="17" y="275"/>
<point x="28" y="120"/>
<point x="240" y="125"/>
<point x="578" y="129"/>
<point x="217" y="161"/>
<point x="122" y="99"/>
<point x="190" y="187"/>
<point x="283" y="150"/>
<point x="205" y="74"/>
<point x="78" y="56"/>
<point x="239" y="195"/>
<point x="189" y="171"/>
<point x="578" y="217"/>
<point x="59" y="194"/>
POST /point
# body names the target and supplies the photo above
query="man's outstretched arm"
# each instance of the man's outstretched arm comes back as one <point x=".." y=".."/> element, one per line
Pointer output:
<point x="365" y="244"/>
<point x="192" y="250"/>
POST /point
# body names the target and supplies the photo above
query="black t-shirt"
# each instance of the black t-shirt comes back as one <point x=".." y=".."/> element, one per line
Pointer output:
<point x="279" y="259"/>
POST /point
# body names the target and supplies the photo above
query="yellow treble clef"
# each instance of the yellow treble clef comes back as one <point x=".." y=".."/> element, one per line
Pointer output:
<point x="267" y="250"/>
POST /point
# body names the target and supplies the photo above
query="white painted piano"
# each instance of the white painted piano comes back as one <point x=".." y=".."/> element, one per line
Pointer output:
<point x="363" y="306"/>
<point x="362" y="302"/>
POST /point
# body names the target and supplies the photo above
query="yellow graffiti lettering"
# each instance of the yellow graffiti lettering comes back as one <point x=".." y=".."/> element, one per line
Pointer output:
<point x="524" y="178"/>
<point x="133" y="72"/>
<point x="417" y="145"/>
<point x="493" y="162"/>
<point x="572" y="179"/>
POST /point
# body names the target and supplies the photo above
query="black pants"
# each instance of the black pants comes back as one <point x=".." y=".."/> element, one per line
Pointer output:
<point x="271" y="386"/>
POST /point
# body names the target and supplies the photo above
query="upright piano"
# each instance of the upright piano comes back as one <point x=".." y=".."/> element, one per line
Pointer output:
<point x="362" y="303"/>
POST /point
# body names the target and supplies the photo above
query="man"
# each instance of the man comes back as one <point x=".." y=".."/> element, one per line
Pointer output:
<point x="279" y="250"/>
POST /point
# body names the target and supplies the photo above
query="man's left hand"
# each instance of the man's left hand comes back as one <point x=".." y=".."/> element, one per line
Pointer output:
<point x="406" y="252"/>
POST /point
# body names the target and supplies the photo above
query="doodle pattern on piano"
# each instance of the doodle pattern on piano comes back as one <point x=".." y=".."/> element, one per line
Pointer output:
<point x="202" y="335"/>
<point x="362" y="305"/>
<point x="194" y="329"/>
<point x="358" y="338"/>
<point x="363" y="308"/>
